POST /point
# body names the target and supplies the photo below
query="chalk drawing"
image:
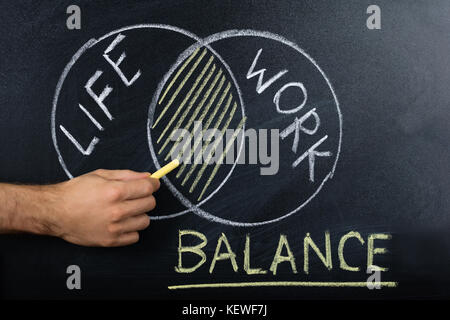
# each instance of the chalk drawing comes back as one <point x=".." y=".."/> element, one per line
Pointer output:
<point x="93" y="42"/>
<point x="216" y="142"/>
<point x="188" y="95"/>
<point x="116" y="64"/>
<point x="166" y="78"/>
<point x="86" y="151"/>
<point x="329" y="284"/>
<point x="99" y="99"/>
<point x="260" y="86"/>
<point x="178" y="74"/>
<point x="230" y="143"/>
<point x="200" y="119"/>
<point x="276" y="98"/>
<point x="296" y="126"/>
<point x="191" y="55"/>
<point x="191" y="104"/>
<point x="199" y="138"/>
<point x="95" y="122"/>
<point x="311" y="153"/>
<point x="196" y="208"/>
<point x="196" y="111"/>
<point x="186" y="78"/>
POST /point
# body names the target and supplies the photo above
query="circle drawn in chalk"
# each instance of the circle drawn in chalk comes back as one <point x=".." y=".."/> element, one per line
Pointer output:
<point x="220" y="99"/>
<point x="199" y="43"/>
<point x="263" y="35"/>
<point x="71" y="160"/>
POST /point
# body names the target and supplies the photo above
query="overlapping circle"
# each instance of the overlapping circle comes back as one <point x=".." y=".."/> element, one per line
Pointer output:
<point x="198" y="43"/>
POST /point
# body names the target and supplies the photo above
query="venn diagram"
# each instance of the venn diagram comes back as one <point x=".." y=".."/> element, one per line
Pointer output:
<point x="263" y="122"/>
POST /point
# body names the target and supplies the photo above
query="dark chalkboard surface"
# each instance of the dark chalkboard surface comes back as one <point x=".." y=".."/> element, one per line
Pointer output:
<point x="370" y="107"/>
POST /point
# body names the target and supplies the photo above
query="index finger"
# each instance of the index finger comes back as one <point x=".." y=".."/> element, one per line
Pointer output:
<point x="135" y="189"/>
<point x="123" y="175"/>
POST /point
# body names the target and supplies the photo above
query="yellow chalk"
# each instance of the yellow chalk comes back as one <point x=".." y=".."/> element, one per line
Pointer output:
<point x="166" y="169"/>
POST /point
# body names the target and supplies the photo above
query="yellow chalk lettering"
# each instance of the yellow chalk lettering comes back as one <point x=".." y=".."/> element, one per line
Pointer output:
<point x="197" y="249"/>
<point x="223" y="256"/>
<point x="371" y="250"/>
<point x="247" y="267"/>
<point x="343" y="263"/>
<point x="278" y="258"/>
<point x="308" y="242"/>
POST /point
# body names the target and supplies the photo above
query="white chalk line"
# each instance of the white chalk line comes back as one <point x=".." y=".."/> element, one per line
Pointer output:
<point x="264" y="34"/>
<point x="152" y="107"/>
<point x="92" y="42"/>
<point x="204" y="42"/>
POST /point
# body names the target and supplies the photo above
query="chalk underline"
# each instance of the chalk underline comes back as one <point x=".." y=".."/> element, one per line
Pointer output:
<point x="332" y="284"/>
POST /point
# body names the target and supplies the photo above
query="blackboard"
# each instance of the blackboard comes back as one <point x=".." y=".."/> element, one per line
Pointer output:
<point x="381" y="95"/>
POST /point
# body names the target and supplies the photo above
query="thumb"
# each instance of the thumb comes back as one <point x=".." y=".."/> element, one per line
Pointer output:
<point x="123" y="175"/>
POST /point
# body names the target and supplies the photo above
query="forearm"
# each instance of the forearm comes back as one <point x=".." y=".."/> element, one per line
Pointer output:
<point x="100" y="208"/>
<point x="27" y="208"/>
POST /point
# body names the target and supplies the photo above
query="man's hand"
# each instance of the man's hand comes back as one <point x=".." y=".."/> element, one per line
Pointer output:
<point x="101" y="208"/>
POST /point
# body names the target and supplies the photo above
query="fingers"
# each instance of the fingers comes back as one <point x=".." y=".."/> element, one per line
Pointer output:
<point x="127" y="239"/>
<point x="135" y="189"/>
<point x="136" y="223"/>
<point x="123" y="175"/>
<point x="155" y="183"/>
<point x="130" y="208"/>
<point x="126" y="231"/>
